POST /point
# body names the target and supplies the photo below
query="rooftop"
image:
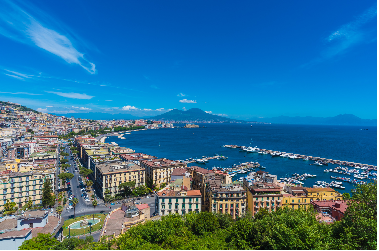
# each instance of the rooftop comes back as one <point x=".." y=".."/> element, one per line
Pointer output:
<point x="118" y="167"/>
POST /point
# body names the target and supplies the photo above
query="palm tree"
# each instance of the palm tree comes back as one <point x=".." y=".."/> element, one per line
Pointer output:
<point x="59" y="210"/>
<point x="89" y="183"/>
<point x="74" y="202"/>
<point x="94" y="204"/>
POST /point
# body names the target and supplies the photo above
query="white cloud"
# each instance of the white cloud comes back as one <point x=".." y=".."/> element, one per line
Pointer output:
<point x="147" y="109"/>
<point x="115" y="108"/>
<point x="85" y="108"/>
<point x="129" y="108"/>
<point x="18" y="75"/>
<point x="49" y="106"/>
<point x="72" y="95"/>
<point x="184" y="109"/>
<point x="160" y="109"/>
<point x="18" y="24"/>
<point x="23" y="93"/>
<point x="210" y="112"/>
<point x="42" y="110"/>
<point x="170" y="109"/>
<point x="181" y="95"/>
<point x="346" y="37"/>
<point x="76" y="107"/>
<point x="187" y="101"/>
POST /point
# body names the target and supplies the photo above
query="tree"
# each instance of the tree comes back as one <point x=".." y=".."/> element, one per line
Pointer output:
<point x="75" y="201"/>
<point x="85" y="171"/>
<point x="64" y="154"/>
<point x="59" y="210"/>
<point x="10" y="207"/>
<point x="358" y="227"/>
<point x="41" y="242"/>
<point x="64" y="166"/>
<point x="127" y="187"/>
<point x="89" y="183"/>
<point x="48" y="198"/>
<point x="64" y="177"/>
<point x="346" y="196"/>
<point x="28" y="205"/>
<point x="108" y="198"/>
<point x="141" y="190"/>
<point x="94" y="204"/>
<point x="64" y="161"/>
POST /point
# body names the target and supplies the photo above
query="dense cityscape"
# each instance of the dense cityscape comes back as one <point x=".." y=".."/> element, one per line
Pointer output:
<point x="64" y="186"/>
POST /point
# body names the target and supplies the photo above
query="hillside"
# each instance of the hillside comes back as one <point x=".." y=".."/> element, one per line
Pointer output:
<point x="192" y="115"/>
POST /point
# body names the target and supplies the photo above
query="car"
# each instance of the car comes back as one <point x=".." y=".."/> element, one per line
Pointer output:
<point x="88" y="200"/>
<point x="112" y="203"/>
<point x="147" y="197"/>
<point x="70" y="207"/>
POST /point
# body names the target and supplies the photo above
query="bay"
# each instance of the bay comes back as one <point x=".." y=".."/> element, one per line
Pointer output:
<point x="346" y="143"/>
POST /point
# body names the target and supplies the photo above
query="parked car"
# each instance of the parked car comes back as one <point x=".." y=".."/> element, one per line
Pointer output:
<point x="70" y="207"/>
<point x="112" y="203"/>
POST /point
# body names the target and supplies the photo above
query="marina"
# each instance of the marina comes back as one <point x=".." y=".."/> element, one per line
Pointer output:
<point x="318" y="160"/>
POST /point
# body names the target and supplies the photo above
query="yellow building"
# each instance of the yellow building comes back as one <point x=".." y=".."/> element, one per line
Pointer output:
<point x="158" y="171"/>
<point x="301" y="197"/>
<point x="111" y="174"/>
<point x="12" y="166"/>
<point x="322" y="193"/>
<point x="19" y="187"/>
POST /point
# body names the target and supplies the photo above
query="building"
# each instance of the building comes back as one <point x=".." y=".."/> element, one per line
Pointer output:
<point x="158" y="171"/>
<point x="322" y="193"/>
<point x="334" y="209"/>
<point x="181" y="202"/>
<point x="19" y="187"/>
<point x="224" y="198"/>
<point x="111" y="174"/>
<point x="15" y="230"/>
<point x="263" y="195"/>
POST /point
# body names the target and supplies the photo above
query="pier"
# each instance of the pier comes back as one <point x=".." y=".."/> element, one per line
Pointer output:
<point x="318" y="160"/>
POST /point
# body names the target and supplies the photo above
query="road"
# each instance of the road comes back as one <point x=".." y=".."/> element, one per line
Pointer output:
<point x="84" y="208"/>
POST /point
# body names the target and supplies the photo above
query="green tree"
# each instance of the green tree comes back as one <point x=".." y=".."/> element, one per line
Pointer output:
<point x="127" y="187"/>
<point x="64" y="166"/>
<point x="48" y="198"/>
<point x="75" y="201"/>
<point x="346" y="196"/>
<point x="10" y="207"/>
<point x="64" y="161"/>
<point x="141" y="190"/>
<point x="28" y="205"/>
<point x="40" y="242"/>
<point x="59" y="210"/>
<point x="85" y="172"/>
<point x="94" y="204"/>
<point x="358" y="227"/>
<point x="64" y="176"/>
<point x="64" y="154"/>
<point x="89" y="183"/>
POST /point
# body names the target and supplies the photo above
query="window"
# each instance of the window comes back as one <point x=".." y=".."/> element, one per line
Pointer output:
<point x="293" y="201"/>
<point x="184" y="200"/>
<point x="286" y="201"/>
<point x="299" y="200"/>
<point x="197" y="199"/>
<point x="256" y="198"/>
<point x="197" y="206"/>
<point x="177" y="200"/>
<point x="305" y="200"/>
<point x="162" y="200"/>
<point x="169" y="200"/>
<point x="190" y="206"/>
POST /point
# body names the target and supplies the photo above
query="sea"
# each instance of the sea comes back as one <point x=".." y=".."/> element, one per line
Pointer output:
<point x="346" y="143"/>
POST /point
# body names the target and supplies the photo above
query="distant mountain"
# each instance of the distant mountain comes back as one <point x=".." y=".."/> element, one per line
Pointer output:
<point x="98" y="116"/>
<point x="192" y="115"/>
<point x="342" y="119"/>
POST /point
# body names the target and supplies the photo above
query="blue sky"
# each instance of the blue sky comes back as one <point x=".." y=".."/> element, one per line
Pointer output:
<point x="241" y="59"/>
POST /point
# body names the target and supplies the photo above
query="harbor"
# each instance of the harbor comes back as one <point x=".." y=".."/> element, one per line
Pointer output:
<point x="318" y="160"/>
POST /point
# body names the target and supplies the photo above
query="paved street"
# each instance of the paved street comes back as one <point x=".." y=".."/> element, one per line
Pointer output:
<point x="84" y="208"/>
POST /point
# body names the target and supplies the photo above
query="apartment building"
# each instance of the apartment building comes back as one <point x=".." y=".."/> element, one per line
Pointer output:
<point x="111" y="174"/>
<point x="137" y="157"/>
<point x="263" y="195"/>
<point x="181" y="202"/>
<point x="158" y="171"/>
<point x="18" y="187"/>
<point x="322" y="193"/>
<point x="224" y="198"/>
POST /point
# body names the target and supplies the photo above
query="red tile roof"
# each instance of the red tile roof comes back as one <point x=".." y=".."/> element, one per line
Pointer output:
<point x="142" y="206"/>
<point x="194" y="193"/>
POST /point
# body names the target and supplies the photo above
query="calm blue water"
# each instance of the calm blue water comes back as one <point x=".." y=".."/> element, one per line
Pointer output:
<point x="347" y="143"/>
